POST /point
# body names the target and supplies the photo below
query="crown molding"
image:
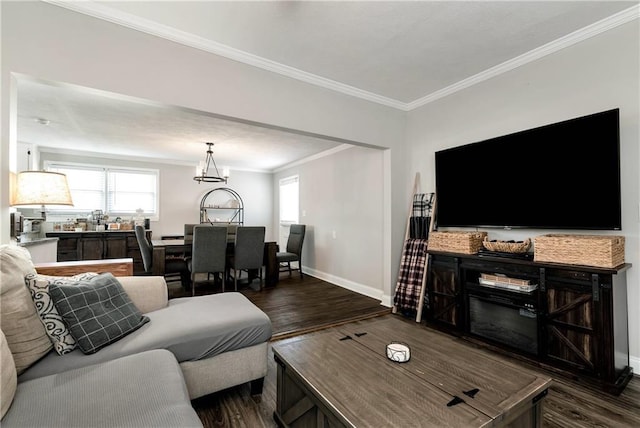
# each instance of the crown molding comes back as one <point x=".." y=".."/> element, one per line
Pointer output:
<point x="140" y="24"/>
<point x="155" y="29"/>
<point x="570" y="39"/>
<point x="320" y="155"/>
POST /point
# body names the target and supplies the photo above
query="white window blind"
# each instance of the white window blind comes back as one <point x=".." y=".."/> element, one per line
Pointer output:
<point x="128" y="189"/>
<point x="87" y="186"/>
<point x="117" y="191"/>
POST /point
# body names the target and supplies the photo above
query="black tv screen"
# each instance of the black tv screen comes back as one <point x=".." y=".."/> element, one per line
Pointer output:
<point x="560" y="176"/>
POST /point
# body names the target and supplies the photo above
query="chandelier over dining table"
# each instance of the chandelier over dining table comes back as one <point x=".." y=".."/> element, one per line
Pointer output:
<point x="207" y="176"/>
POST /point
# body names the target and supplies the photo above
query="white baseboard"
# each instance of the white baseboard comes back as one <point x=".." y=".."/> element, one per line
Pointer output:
<point x="634" y="362"/>
<point x="366" y="290"/>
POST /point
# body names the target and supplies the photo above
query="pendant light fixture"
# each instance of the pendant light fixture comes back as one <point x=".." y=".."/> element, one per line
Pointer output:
<point x="203" y="169"/>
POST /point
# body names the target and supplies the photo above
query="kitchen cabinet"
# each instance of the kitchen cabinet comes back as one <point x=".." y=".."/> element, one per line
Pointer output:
<point x="116" y="247"/>
<point x="91" y="248"/>
<point x="92" y="245"/>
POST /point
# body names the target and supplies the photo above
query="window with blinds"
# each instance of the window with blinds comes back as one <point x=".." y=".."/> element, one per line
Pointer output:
<point x="114" y="190"/>
<point x="289" y="207"/>
<point x="289" y="200"/>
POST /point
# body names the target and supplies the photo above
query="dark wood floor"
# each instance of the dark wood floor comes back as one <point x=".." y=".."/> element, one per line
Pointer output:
<point x="296" y="306"/>
<point x="301" y="306"/>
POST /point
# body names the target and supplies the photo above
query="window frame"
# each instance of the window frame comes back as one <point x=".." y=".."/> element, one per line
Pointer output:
<point x="283" y="182"/>
<point x="105" y="169"/>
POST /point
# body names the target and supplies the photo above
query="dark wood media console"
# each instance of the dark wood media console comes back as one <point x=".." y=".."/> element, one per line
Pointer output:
<point x="574" y="322"/>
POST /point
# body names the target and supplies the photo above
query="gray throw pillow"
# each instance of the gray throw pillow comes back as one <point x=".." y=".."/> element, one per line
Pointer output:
<point x="57" y="330"/>
<point x="98" y="311"/>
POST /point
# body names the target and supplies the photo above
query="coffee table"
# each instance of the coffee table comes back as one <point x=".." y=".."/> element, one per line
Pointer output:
<point x="342" y="377"/>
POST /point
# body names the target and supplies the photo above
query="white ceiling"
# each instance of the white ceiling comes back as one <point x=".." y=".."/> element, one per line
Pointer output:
<point x="85" y="120"/>
<point x="397" y="53"/>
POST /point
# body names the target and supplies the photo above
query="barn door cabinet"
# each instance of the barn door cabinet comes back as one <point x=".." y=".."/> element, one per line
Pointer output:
<point x="581" y="312"/>
<point x="585" y="323"/>
<point x="443" y="304"/>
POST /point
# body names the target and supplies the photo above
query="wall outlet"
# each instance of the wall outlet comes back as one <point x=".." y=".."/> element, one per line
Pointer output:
<point x="333" y="233"/>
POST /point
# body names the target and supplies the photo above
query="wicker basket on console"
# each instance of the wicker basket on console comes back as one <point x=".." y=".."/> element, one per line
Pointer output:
<point x="507" y="247"/>
<point x="587" y="250"/>
<point x="456" y="242"/>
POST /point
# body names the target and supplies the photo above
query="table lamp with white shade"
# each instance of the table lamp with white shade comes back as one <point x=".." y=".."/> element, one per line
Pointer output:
<point x="40" y="188"/>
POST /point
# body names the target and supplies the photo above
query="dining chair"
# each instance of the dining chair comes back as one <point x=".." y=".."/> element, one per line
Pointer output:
<point x="294" y="249"/>
<point x="188" y="237"/>
<point x="208" y="252"/>
<point x="248" y="252"/>
<point x="173" y="265"/>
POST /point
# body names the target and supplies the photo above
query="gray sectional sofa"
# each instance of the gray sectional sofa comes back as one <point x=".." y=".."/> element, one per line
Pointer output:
<point x="190" y="347"/>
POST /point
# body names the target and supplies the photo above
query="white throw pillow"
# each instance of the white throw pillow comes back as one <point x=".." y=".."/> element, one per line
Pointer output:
<point x="58" y="332"/>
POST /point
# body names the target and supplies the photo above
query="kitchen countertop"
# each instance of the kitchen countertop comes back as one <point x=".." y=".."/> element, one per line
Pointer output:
<point x="73" y="232"/>
<point x="38" y="241"/>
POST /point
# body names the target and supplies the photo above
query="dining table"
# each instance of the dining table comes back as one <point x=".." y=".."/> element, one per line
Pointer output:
<point x="163" y="247"/>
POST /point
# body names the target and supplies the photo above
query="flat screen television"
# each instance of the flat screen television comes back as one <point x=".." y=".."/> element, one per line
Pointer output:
<point x="564" y="175"/>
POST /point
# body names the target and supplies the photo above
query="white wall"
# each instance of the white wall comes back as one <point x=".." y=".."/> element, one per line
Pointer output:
<point x="595" y="75"/>
<point x="45" y="41"/>
<point x="342" y="201"/>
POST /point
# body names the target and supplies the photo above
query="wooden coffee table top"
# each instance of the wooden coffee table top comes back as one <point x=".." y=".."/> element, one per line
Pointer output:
<point x="347" y="369"/>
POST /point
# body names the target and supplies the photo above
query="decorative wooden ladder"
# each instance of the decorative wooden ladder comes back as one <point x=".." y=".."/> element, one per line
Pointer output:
<point x="423" y="267"/>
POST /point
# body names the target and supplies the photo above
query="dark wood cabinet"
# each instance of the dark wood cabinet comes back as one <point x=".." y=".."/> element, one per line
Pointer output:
<point x="576" y="317"/>
<point x="115" y="247"/>
<point x="586" y="323"/>
<point x="68" y="248"/>
<point x="444" y="297"/>
<point x="99" y="246"/>
<point x="91" y="248"/>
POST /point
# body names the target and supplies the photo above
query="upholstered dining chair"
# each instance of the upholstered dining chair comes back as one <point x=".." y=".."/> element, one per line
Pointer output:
<point x="208" y="253"/>
<point x="294" y="249"/>
<point x="248" y="252"/>
<point x="173" y="265"/>
<point x="188" y="234"/>
<point x="188" y="237"/>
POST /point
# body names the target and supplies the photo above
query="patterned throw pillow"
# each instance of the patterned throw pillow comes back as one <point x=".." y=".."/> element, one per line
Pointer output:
<point x="97" y="311"/>
<point x="60" y="336"/>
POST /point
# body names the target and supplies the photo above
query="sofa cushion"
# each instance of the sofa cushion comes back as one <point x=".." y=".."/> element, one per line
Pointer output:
<point x="8" y="376"/>
<point x="20" y="322"/>
<point x="98" y="311"/>
<point x="148" y="293"/>
<point x="141" y="390"/>
<point x="61" y="338"/>
<point x="192" y="328"/>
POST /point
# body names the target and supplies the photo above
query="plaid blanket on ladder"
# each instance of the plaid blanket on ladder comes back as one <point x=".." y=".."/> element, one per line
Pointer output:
<point x="412" y="269"/>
